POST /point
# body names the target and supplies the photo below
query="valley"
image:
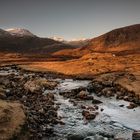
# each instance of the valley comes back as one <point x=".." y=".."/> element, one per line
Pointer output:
<point x="62" y="91"/>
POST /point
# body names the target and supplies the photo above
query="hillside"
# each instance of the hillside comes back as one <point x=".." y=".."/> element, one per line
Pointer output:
<point x="124" y="40"/>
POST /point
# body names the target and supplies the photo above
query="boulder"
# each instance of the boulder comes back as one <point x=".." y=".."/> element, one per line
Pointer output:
<point x="132" y="105"/>
<point x="136" y="135"/>
<point x="84" y="95"/>
<point x="37" y="85"/>
<point x="88" y="115"/>
<point x="108" y="92"/>
<point x="12" y="118"/>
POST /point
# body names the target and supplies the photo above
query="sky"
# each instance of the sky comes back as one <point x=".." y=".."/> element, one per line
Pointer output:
<point x="69" y="19"/>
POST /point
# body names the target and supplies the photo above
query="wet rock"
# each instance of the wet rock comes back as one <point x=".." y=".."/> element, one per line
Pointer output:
<point x="95" y="101"/>
<point x="96" y="107"/>
<point x="75" y="137"/>
<point x="95" y="86"/>
<point x="136" y="135"/>
<point x="37" y="85"/>
<point x="96" y="137"/>
<point x="83" y="106"/>
<point x="84" y="95"/>
<point x="88" y="115"/>
<point x="121" y="105"/>
<point x="108" y="91"/>
<point x="132" y="106"/>
<point x="126" y="98"/>
<point x="102" y="109"/>
<point x="91" y="108"/>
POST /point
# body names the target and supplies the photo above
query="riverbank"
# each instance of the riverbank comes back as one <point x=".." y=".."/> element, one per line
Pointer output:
<point x="49" y="104"/>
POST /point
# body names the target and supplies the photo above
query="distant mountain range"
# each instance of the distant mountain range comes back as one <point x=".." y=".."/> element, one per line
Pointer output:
<point x="23" y="41"/>
<point x="118" y="41"/>
<point x="75" y="42"/>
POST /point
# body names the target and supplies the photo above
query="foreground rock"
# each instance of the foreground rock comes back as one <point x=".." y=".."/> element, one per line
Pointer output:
<point x="40" y="110"/>
<point x="136" y="135"/>
<point x="12" y="118"/>
<point x="116" y="84"/>
<point x="89" y="115"/>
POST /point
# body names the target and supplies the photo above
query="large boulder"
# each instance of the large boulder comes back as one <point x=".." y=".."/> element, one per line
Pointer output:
<point x="38" y="85"/>
<point x="12" y="118"/>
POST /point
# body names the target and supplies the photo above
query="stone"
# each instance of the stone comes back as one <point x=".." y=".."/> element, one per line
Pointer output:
<point x="121" y="105"/>
<point x="82" y="94"/>
<point x="35" y="86"/>
<point x="88" y="115"/>
<point x="132" y="106"/>
<point x="136" y="135"/>
<point x="95" y="101"/>
<point x="102" y="109"/>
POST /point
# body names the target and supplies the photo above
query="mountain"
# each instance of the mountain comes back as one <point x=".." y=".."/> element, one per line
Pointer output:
<point x="78" y="42"/>
<point x="20" y="32"/>
<point x="23" y="41"/>
<point x="74" y="42"/>
<point x="120" y="41"/>
<point x="4" y="34"/>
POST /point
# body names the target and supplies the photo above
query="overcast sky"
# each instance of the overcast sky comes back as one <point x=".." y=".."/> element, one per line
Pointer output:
<point x="69" y="18"/>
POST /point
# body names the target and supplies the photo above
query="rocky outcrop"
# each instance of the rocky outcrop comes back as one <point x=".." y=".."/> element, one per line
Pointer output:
<point x="109" y="85"/>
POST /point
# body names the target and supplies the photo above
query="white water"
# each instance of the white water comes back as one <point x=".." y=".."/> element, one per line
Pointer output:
<point x="116" y="120"/>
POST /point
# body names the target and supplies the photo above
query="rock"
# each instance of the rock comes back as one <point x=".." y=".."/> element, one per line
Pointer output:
<point x="75" y="137"/>
<point x="95" y="86"/>
<point x="95" y="101"/>
<point x="136" y="135"/>
<point x="96" y="137"/>
<point x="121" y="105"/>
<point x="2" y="96"/>
<point x="132" y="105"/>
<point x="96" y="107"/>
<point x="91" y="108"/>
<point x="83" y="106"/>
<point x="126" y="98"/>
<point x="102" y="109"/>
<point x="84" y="95"/>
<point x="108" y="92"/>
<point x="88" y="115"/>
<point x="12" y="118"/>
<point x="35" y="86"/>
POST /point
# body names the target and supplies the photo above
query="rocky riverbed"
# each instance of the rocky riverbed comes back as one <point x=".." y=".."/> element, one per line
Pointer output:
<point x="56" y="108"/>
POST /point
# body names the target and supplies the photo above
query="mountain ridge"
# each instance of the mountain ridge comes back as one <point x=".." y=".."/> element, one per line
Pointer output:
<point x="125" y="39"/>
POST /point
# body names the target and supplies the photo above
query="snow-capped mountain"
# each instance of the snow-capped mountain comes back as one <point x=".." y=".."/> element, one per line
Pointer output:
<point x="74" y="42"/>
<point x="20" y="32"/>
<point x="4" y="33"/>
<point x="60" y="39"/>
<point x="23" y="41"/>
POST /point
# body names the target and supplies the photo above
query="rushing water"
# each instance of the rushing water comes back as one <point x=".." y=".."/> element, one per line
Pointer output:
<point x="114" y="120"/>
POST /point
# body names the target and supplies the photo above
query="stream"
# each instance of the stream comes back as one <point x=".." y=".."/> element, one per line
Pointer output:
<point x="113" y="122"/>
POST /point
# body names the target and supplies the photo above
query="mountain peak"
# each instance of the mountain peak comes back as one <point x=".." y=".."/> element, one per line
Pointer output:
<point x="20" y="32"/>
